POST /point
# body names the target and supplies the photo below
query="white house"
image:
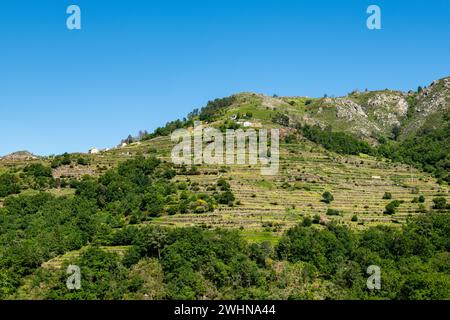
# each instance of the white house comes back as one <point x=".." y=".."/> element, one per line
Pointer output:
<point x="245" y="124"/>
<point x="93" y="151"/>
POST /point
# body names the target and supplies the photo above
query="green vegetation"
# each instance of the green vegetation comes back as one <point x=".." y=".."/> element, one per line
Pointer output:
<point x="387" y="196"/>
<point x="404" y="256"/>
<point x="166" y="130"/>
<point x="391" y="208"/>
<point x="327" y="197"/>
<point x="428" y="149"/>
<point x="215" y="108"/>
<point x="8" y="185"/>
<point x="440" y="203"/>
<point x="339" y="142"/>
<point x="193" y="263"/>
<point x="142" y="228"/>
<point x="333" y="212"/>
<point x="61" y="160"/>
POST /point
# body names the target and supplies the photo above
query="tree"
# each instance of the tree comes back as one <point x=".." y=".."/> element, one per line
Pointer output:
<point x="307" y="222"/>
<point x="226" y="197"/>
<point x="327" y="197"/>
<point x="391" y="208"/>
<point x="387" y="196"/>
<point x="9" y="184"/>
<point x="65" y="159"/>
<point x="332" y="212"/>
<point x="439" y="203"/>
<point x="38" y="170"/>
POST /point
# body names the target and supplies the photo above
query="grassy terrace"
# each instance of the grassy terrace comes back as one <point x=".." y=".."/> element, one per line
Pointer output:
<point x="268" y="205"/>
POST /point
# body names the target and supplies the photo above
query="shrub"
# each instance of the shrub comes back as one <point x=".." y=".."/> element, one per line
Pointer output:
<point x="38" y="170"/>
<point x="439" y="203"/>
<point x="9" y="184"/>
<point x="82" y="161"/>
<point x="316" y="219"/>
<point x="223" y="184"/>
<point x="332" y="212"/>
<point x="391" y="208"/>
<point x="307" y="222"/>
<point x="387" y="196"/>
<point x="327" y="197"/>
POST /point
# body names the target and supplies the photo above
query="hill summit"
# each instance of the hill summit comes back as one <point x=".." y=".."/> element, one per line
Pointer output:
<point x="19" y="156"/>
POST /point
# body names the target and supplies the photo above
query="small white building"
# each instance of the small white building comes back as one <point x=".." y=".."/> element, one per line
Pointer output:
<point x="245" y="123"/>
<point x="94" y="151"/>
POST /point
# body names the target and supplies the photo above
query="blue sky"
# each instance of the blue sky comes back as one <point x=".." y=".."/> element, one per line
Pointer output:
<point x="138" y="64"/>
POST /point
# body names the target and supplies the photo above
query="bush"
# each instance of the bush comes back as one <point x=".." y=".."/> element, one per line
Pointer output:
<point x="226" y="197"/>
<point x="223" y="184"/>
<point x="327" y="197"/>
<point x="82" y="161"/>
<point x="307" y="222"/>
<point x="391" y="208"/>
<point x="332" y="212"/>
<point x="9" y="184"/>
<point x="387" y="196"/>
<point x="316" y="219"/>
<point x="439" y="203"/>
<point x="38" y="170"/>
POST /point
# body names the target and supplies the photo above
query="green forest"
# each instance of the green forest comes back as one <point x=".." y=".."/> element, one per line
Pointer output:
<point x="311" y="261"/>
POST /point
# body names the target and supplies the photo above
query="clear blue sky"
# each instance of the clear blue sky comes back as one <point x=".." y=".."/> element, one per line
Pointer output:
<point x="138" y="64"/>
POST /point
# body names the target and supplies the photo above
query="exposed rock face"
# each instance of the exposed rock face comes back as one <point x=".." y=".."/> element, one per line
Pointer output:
<point x="432" y="103"/>
<point x="434" y="98"/>
<point x="348" y="109"/>
<point x="272" y="103"/>
<point x="388" y="109"/>
<point x="307" y="119"/>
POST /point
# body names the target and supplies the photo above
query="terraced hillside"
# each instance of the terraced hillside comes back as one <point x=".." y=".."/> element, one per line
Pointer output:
<point x="265" y="206"/>
<point x="270" y="204"/>
<point x="346" y="164"/>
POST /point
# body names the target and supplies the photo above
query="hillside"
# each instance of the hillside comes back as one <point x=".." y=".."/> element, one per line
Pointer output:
<point x="275" y="203"/>
<point x="383" y="158"/>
